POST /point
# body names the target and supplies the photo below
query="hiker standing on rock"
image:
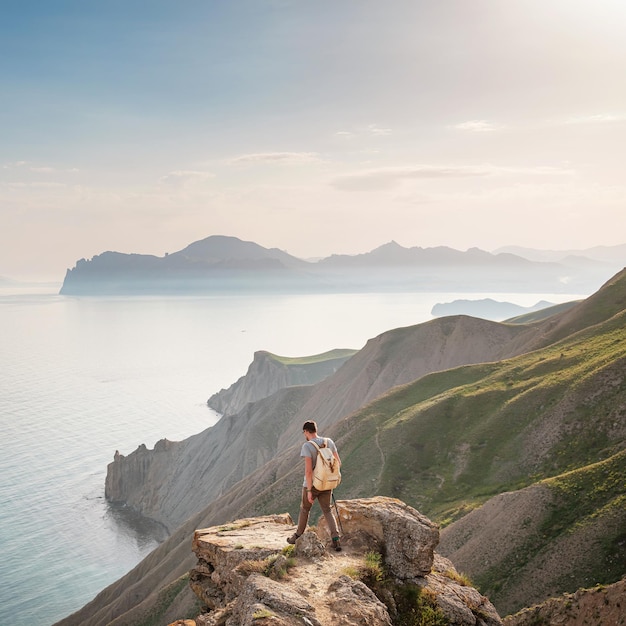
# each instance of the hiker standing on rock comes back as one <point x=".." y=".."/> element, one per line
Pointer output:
<point x="309" y="452"/>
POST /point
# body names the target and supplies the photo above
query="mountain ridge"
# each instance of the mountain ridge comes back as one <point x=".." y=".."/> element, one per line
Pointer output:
<point x="220" y="264"/>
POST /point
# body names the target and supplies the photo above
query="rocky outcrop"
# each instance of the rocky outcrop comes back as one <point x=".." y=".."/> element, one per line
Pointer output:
<point x="268" y="373"/>
<point x="406" y="537"/>
<point x="244" y="577"/>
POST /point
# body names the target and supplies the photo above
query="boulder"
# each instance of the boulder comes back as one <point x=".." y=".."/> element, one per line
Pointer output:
<point x="406" y="538"/>
<point x="356" y="603"/>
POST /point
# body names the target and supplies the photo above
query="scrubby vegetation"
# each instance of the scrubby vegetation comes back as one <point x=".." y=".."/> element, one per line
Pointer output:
<point x="408" y="604"/>
<point x="275" y="566"/>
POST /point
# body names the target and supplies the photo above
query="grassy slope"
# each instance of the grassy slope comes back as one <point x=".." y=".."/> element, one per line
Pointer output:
<point x="451" y="439"/>
<point x="542" y="314"/>
<point x="557" y="535"/>
<point x="316" y="358"/>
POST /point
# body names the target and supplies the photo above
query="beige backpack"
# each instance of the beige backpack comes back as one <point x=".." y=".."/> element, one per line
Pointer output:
<point x="326" y="474"/>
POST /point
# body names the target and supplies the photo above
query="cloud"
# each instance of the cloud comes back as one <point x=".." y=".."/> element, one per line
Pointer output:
<point x="373" y="130"/>
<point x="600" y="118"/>
<point x="182" y="176"/>
<point x="14" y="164"/>
<point x="477" y="126"/>
<point x="377" y="131"/>
<point x="387" y="177"/>
<point x="38" y="169"/>
<point x="280" y="158"/>
<point x="48" y="185"/>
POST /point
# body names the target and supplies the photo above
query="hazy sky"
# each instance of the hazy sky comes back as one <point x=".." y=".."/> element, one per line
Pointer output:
<point x="314" y="127"/>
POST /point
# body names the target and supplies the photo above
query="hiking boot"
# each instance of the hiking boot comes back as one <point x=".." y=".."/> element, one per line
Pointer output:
<point x="293" y="538"/>
<point x="336" y="544"/>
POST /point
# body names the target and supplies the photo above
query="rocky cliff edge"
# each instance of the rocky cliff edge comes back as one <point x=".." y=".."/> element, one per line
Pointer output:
<point x="246" y="573"/>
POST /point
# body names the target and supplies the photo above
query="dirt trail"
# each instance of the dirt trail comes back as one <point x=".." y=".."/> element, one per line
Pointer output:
<point x="312" y="578"/>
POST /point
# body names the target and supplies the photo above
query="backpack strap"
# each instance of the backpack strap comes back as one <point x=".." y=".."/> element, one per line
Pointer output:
<point x="324" y="445"/>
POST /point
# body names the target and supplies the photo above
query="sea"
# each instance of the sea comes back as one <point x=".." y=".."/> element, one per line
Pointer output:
<point x="82" y="377"/>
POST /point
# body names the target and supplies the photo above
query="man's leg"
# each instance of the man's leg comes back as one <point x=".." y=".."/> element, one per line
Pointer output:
<point x="305" y="509"/>
<point x="324" y="498"/>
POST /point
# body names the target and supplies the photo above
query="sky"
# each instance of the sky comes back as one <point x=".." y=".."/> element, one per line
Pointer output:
<point x="320" y="127"/>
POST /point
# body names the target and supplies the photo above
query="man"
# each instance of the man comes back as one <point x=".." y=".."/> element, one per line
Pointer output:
<point x="309" y="493"/>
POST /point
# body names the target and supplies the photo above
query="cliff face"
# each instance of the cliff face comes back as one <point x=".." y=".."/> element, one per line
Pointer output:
<point x="244" y="575"/>
<point x="268" y="373"/>
<point x="177" y="479"/>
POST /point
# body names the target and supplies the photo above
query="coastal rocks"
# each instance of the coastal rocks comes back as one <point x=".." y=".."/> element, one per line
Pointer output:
<point x="141" y="465"/>
<point x="405" y="536"/>
<point x="178" y="479"/>
<point x="247" y="573"/>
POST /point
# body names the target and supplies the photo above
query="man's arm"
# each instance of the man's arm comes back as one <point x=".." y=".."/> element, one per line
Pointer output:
<point x="308" y="476"/>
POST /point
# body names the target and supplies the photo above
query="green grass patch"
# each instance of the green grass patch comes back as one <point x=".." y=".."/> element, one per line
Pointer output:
<point x="331" y="355"/>
<point x="408" y="604"/>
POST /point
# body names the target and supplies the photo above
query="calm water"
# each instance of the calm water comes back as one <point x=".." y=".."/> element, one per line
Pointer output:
<point x="83" y="377"/>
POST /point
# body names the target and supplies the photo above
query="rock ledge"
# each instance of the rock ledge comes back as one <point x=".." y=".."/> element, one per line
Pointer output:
<point x="244" y="576"/>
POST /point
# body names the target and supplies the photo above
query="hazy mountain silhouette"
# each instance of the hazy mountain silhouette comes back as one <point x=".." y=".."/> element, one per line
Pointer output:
<point x="220" y="264"/>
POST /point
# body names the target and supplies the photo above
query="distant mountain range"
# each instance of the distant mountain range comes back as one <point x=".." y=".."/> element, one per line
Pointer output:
<point x="603" y="254"/>
<point x="219" y="264"/>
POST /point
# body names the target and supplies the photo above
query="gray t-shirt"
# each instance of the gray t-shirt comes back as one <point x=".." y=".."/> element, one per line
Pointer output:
<point x="308" y="449"/>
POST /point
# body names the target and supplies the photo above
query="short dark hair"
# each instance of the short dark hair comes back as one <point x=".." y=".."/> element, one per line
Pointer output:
<point x="310" y="426"/>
